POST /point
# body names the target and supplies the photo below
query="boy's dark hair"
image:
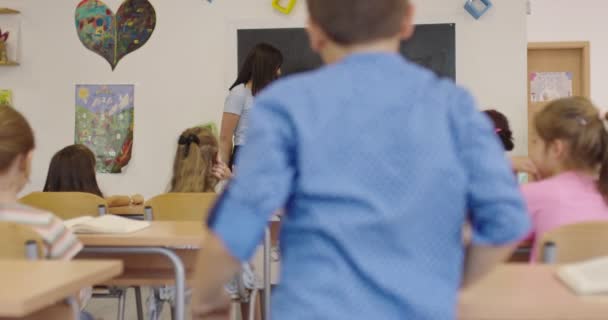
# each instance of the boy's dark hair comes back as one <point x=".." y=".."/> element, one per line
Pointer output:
<point x="349" y="22"/>
<point x="502" y="128"/>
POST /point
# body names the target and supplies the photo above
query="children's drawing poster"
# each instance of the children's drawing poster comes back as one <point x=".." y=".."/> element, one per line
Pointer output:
<point x="113" y="36"/>
<point x="104" y="123"/>
<point x="6" y="97"/>
<point x="547" y="86"/>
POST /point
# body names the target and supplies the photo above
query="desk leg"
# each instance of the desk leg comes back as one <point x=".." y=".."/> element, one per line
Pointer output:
<point x="75" y="307"/>
<point x="178" y="266"/>
<point x="267" y="284"/>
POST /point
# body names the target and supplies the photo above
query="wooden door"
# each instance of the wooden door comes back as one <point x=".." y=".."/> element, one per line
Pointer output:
<point x="556" y="57"/>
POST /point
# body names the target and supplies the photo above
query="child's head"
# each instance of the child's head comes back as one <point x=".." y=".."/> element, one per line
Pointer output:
<point x="72" y="169"/>
<point x="16" y="146"/>
<point x="197" y="153"/>
<point x="502" y="128"/>
<point x="261" y="67"/>
<point x="356" y="23"/>
<point x="570" y="135"/>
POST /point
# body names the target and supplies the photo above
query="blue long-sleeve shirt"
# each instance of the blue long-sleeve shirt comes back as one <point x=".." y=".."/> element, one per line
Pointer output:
<point x="378" y="164"/>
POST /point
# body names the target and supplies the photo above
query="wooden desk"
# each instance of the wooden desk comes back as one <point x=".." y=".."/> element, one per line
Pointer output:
<point x="33" y="289"/>
<point x="523" y="292"/>
<point x="161" y="254"/>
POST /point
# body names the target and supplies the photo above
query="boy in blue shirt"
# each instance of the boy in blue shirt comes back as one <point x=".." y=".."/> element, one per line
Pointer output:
<point x="378" y="164"/>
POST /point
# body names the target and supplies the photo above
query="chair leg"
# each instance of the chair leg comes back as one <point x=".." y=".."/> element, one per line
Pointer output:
<point x="172" y="312"/>
<point x="235" y="310"/>
<point x="138" y="302"/>
<point x="122" y="299"/>
<point x="155" y="304"/>
<point x="252" y="305"/>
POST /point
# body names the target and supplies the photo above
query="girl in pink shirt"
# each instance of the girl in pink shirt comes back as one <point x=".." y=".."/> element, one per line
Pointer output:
<point x="570" y="150"/>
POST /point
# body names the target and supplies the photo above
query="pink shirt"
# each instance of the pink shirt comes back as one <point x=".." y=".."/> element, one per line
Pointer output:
<point x="567" y="198"/>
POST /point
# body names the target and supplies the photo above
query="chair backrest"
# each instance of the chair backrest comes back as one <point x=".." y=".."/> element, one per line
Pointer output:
<point x="180" y="206"/>
<point x="574" y="243"/>
<point x="18" y="241"/>
<point x="67" y="205"/>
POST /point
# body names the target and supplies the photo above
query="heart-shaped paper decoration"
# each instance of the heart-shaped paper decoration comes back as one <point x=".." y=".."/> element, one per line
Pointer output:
<point x="284" y="9"/>
<point x="115" y="36"/>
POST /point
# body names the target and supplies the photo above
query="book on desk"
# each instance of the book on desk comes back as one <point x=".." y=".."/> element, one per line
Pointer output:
<point x="107" y="224"/>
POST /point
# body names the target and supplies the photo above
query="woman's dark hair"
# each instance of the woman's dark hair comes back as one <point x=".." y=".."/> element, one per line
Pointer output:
<point x="260" y="67"/>
<point x="72" y="169"/>
<point x="502" y="128"/>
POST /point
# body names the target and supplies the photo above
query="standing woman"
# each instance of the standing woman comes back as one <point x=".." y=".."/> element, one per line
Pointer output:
<point x="261" y="67"/>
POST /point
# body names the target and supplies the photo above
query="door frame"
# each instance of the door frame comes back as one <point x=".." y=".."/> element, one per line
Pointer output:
<point x="584" y="45"/>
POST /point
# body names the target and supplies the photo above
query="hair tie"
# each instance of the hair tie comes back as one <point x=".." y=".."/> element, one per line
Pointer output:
<point x="187" y="141"/>
<point x="498" y="130"/>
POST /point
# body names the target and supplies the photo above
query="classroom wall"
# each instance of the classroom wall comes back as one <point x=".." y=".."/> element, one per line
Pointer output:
<point x="581" y="20"/>
<point x="182" y="74"/>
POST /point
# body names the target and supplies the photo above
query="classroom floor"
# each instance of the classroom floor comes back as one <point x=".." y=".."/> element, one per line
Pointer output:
<point x="107" y="309"/>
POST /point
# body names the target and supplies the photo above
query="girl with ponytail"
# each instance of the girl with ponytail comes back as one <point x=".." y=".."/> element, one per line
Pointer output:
<point x="503" y="130"/>
<point x="570" y="151"/>
<point x="197" y="167"/>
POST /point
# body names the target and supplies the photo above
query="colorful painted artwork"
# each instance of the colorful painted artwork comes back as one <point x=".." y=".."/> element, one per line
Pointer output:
<point x="6" y="97"/>
<point x="104" y="123"/>
<point x="115" y="36"/>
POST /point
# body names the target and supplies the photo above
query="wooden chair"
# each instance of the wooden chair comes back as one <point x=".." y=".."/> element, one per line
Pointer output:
<point x="574" y="243"/>
<point x="18" y="242"/>
<point x="180" y="206"/>
<point x="67" y="205"/>
<point x="70" y="205"/>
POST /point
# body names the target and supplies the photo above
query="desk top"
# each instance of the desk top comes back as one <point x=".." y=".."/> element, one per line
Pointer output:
<point x="29" y="286"/>
<point x="158" y="234"/>
<point x="520" y="291"/>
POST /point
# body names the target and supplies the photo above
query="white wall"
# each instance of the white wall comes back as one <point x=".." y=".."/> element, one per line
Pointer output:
<point x="581" y="20"/>
<point x="181" y="75"/>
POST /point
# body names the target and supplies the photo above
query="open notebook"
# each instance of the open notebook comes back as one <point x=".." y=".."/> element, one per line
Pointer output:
<point x="586" y="278"/>
<point x="105" y="224"/>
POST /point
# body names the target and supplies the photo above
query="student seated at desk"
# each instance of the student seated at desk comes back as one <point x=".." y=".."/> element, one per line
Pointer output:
<point x="16" y="151"/>
<point x="197" y="168"/>
<point x="502" y="128"/>
<point x="571" y="154"/>
<point x="521" y="165"/>
<point x="72" y="169"/>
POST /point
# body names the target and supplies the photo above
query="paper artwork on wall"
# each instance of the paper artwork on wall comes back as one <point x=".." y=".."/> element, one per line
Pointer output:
<point x="6" y="97"/>
<point x="9" y="39"/>
<point x="104" y="123"/>
<point x="113" y="36"/>
<point x="284" y="9"/>
<point x="547" y="86"/>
